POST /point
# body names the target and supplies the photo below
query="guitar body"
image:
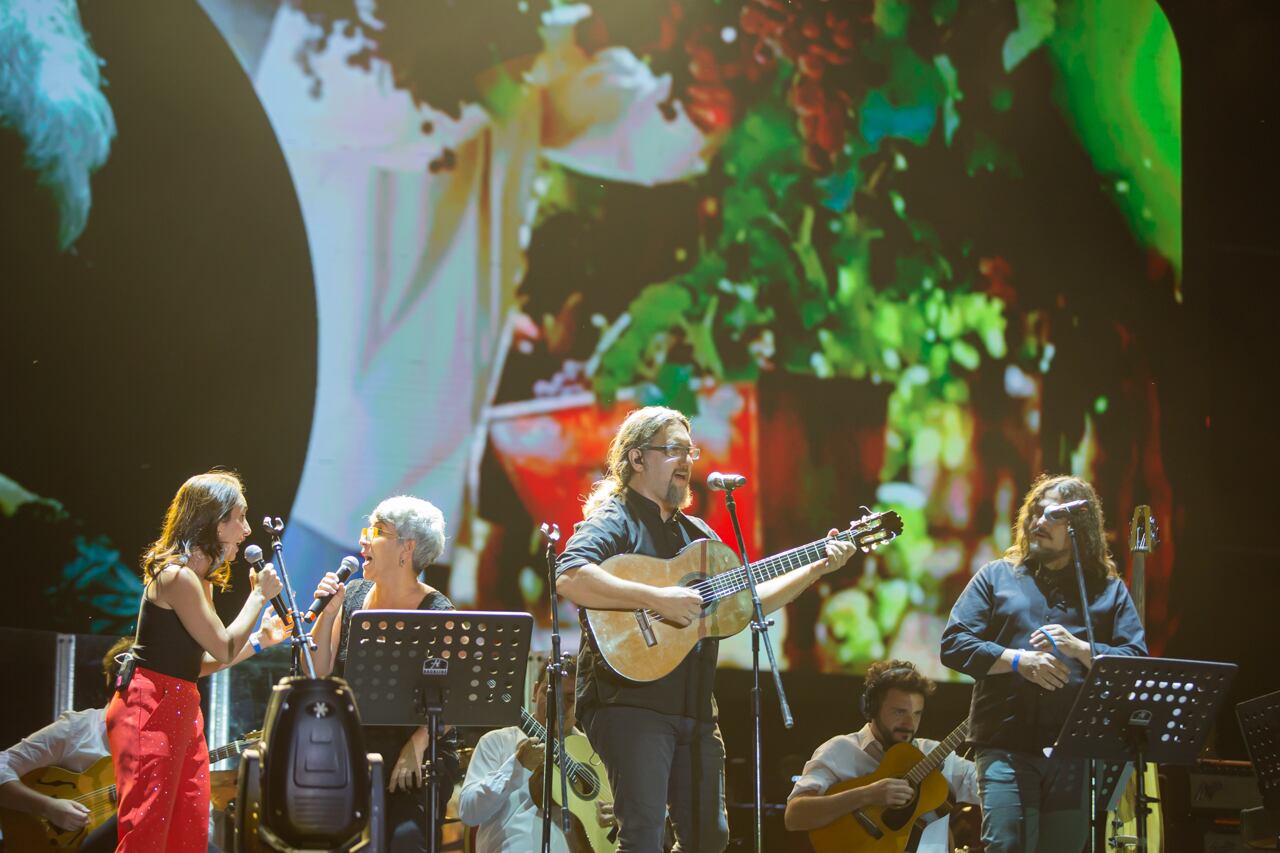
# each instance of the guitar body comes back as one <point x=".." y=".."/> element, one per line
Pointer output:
<point x="857" y="833"/>
<point x="1123" y="822"/>
<point x="24" y="831"/>
<point x="589" y="787"/>
<point x="618" y="633"/>
<point x="639" y="645"/>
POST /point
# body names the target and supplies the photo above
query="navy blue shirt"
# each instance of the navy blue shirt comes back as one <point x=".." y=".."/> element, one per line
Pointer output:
<point x="632" y="524"/>
<point x="999" y="609"/>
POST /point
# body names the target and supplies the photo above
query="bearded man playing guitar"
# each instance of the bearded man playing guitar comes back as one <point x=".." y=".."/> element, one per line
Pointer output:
<point x="659" y="738"/>
<point x="893" y="702"/>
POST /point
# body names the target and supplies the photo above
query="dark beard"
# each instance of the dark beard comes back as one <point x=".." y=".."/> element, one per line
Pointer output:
<point x="1042" y="555"/>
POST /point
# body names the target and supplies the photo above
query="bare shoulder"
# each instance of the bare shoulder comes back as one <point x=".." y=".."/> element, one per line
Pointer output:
<point x="176" y="581"/>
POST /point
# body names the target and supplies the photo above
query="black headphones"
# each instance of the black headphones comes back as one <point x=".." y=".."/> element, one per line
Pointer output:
<point x="873" y="691"/>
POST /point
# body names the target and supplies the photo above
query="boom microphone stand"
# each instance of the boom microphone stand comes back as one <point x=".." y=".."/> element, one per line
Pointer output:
<point x="759" y="628"/>
<point x="1093" y="654"/>
<point x="302" y="643"/>
<point x="555" y="714"/>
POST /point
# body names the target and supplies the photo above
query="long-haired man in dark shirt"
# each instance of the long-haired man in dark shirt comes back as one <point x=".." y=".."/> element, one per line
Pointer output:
<point x="1018" y="630"/>
<point x="659" y="740"/>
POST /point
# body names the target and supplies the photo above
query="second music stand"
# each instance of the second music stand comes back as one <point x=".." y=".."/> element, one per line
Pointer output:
<point x="1140" y="709"/>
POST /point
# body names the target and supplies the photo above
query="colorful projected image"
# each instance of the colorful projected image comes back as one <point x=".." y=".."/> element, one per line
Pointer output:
<point x="887" y="255"/>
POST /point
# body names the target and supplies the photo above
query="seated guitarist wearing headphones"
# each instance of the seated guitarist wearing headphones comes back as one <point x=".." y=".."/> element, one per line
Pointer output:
<point x="893" y="705"/>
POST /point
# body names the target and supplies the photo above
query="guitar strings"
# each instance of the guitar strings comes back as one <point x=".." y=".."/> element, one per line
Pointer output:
<point x="728" y="583"/>
<point x="575" y="770"/>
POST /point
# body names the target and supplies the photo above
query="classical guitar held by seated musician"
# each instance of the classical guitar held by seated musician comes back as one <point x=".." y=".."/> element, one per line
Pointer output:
<point x="884" y="829"/>
<point x="95" y="788"/>
<point x="641" y="646"/>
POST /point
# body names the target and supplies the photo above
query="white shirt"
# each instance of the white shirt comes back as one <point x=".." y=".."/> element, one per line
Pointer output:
<point x="859" y="754"/>
<point x="495" y="797"/>
<point x="73" y="742"/>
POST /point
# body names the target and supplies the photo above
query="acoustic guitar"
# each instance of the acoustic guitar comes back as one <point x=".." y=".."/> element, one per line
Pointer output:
<point x="587" y="785"/>
<point x="95" y="787"/>
<point x="1121" y="826"/>
<point x="642" y="646"/>
<point x="880" y="829"/>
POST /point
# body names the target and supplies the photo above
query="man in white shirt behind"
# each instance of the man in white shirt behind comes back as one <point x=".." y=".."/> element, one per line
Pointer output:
<point x="496" y="794"/>
<point x="75" y="741"/>
<point x="893" y="704"/>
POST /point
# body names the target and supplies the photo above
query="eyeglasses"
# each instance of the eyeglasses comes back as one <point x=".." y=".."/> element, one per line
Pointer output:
<point x="371" y="533"/>
<point x="676" y="451"/>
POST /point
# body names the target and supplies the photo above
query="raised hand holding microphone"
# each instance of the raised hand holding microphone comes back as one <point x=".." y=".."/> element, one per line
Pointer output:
<point x="253" y="555"/>
<point x="332" y="587"/>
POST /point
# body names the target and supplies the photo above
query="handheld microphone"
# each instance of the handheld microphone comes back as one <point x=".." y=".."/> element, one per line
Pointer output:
<point x="349" y="566"/>
<point x="253" y="556"/>
<point x="1057" y="512"/>
<point x="718" y="482"/>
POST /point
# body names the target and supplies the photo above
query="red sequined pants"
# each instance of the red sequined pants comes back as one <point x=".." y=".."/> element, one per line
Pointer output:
<point x="156" y="733"/>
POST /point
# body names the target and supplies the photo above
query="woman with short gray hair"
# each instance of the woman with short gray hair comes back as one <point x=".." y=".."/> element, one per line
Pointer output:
<point x="413" y="520"/>
<point x="405" y="535"/>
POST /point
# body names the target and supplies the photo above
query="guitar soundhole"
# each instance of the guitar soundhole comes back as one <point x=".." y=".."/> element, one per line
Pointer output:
<point x="897" y="818"/>
<point x="699" y="584"/>
<point x="585" y="783"/>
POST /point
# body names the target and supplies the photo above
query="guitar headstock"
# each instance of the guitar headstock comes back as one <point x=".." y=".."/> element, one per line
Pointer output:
<point x="1143" y="535"/>
<point x="875" y="529"/>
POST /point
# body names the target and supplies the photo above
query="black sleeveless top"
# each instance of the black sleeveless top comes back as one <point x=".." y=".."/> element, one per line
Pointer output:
<point x="165" y="646"/>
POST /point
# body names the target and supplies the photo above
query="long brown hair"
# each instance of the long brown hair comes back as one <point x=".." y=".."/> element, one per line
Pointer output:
<point x="1090" y="525"/>
<point x="191" y="525"/>
<point x="637" y="430"/>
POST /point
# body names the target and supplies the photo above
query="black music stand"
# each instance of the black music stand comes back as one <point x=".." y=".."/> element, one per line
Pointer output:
<point x="1260" y="725"/>
<point x="1135" y="709"/>
<point x="438" y="668"/>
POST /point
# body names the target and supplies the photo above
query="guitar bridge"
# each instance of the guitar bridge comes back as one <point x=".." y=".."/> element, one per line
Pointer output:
<point x="868" y="825"/>
<point x="646" y="629"/>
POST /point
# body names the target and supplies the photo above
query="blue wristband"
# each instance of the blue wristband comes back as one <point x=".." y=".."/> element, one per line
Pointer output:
<point x="1017" y="656"/>
<point x="253" y="641"/>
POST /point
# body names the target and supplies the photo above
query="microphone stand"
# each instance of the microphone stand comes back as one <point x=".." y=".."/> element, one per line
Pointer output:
<point x="1093" y="652"/>
<point x="759" y="628"/>
<point x="302" y="643"/>
<point x="555" y="671"/>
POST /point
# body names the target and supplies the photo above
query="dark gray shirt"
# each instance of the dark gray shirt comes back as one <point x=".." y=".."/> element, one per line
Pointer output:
<point x="1000" y="608"/>
<point x="632" y="524"/>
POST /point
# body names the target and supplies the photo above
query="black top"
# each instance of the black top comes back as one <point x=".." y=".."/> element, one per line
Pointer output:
<point x="389" y="740"/>
<point x="164" y="645"/>
<point x="1000" y="608"/>
<point x="634" y="525"/>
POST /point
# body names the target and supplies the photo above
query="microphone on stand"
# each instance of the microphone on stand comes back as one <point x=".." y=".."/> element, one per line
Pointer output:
<point x="349" y="566"/>
<point x="253" y="556"/>
<point x="1057" y="512"/>
<point x="718" y="482"/>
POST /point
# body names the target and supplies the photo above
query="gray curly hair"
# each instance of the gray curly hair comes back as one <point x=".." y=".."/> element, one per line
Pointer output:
<point x="414" y="520"/>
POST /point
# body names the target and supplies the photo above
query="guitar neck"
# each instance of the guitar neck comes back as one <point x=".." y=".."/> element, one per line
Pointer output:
<point x="534" y="729"/>
<point x="230" y="750"/>
<point x="734" y="581"/>
<point x="938" y="754"/>
<point x="1138" y="585"/>
<point x="103" y="801"/>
